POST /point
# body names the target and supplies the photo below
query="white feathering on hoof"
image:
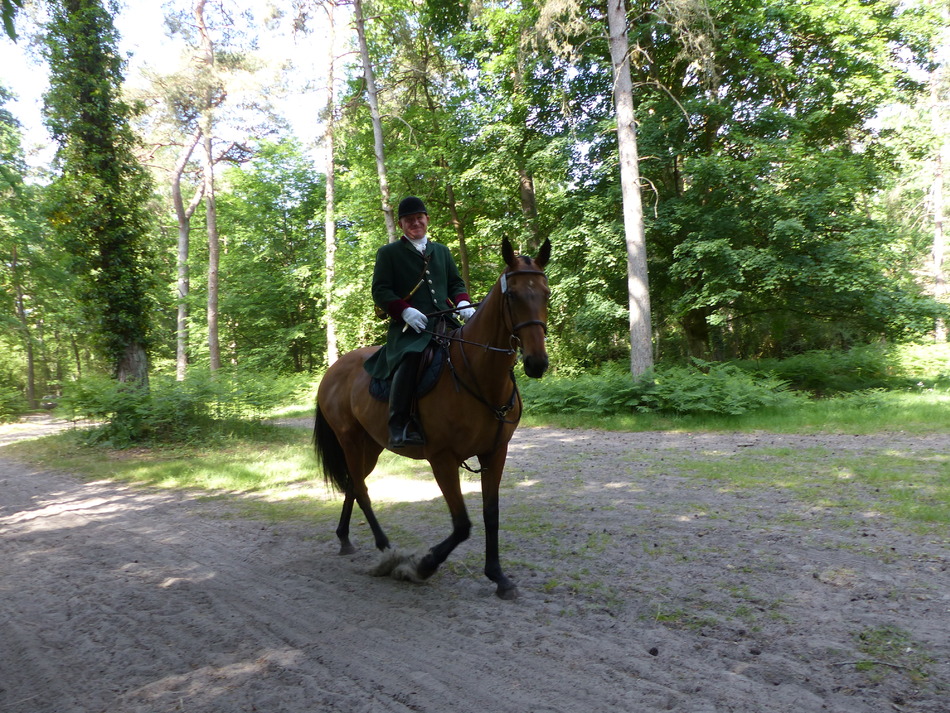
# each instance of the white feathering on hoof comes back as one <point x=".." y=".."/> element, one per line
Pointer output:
<point x="398" y="565"/>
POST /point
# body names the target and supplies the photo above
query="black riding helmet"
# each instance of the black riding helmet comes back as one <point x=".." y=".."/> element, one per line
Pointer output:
<point x="411" y="206"/>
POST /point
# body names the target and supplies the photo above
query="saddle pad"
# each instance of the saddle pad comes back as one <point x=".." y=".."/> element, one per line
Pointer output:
<point x="379" y="388"/>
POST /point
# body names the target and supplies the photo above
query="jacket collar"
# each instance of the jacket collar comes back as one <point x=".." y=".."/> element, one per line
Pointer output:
<point x="409" y="246"/>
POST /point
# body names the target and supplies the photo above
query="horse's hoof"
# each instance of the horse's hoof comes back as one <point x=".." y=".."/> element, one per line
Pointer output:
<point x="387" y="563"/>
<point x="347" y="549"/>
<point x="398" y="565"/>
<point x="406" y="572"/>
<point x="509" y="593"/>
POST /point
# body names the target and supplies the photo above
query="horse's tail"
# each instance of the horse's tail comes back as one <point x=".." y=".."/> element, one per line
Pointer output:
<point x="330" y="453"/>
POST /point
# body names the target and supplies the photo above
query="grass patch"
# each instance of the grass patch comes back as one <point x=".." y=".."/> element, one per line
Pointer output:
<point x="276" y="464"/>
<point x="261" y="459"/>
<point x="273" y="468"/>
<point x="923" y="412"/>
<point x="910" y="488"/>
<point x="889" y="648"/>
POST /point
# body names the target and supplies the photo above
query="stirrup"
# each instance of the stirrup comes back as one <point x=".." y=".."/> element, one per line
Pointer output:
<point x="404" y="437"/>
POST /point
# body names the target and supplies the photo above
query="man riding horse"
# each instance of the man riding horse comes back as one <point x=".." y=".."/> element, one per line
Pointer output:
<point x="413" y="278"/>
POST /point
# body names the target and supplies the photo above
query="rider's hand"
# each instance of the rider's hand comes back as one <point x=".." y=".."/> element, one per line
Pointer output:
<point x="414" y="318"/>
<point x="466" y="310"/>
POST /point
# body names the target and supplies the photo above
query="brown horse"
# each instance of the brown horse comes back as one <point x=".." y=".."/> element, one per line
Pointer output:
<point x="473" y="410"/>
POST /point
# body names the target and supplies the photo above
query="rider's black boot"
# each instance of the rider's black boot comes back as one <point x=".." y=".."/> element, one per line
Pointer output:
<point x="404" y="431"/>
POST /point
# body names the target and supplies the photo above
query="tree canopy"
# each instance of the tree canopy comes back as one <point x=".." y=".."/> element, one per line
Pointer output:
<point x="774" y="170"/>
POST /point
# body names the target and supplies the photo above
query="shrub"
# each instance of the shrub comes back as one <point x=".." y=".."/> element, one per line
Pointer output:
<point x="922" y="362"/>
<point x="827" y="372"/>
<point x="196" y="409"/>
<point x="873" y="366"/>
<point x="12" y="403"/>
<point x="702" y="388"/>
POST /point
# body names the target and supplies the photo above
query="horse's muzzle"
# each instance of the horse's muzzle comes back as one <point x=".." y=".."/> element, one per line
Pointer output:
<point x="535" y="366"/>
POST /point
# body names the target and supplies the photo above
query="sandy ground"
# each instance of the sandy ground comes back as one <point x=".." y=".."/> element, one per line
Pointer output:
<point x="642" y="589"/>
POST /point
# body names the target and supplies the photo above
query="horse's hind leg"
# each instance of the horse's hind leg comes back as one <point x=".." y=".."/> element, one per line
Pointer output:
<point x="362" y="499"/>
<point x="361" y="456"/>
<point x="343" y="529"/>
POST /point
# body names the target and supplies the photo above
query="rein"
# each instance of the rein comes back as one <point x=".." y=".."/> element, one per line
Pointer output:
<point x="504" y="291"/>
<point x="515" y="327"/>
<point x="500" y="412"/>
<point x="449" y="338"/>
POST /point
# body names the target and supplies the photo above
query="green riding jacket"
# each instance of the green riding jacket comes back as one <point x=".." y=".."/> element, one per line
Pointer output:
<point x="399" y="267"/>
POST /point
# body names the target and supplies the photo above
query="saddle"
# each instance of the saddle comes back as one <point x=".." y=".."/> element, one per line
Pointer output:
<point x="430" y="369"/>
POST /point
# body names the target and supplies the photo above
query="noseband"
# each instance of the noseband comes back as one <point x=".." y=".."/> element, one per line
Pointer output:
<point x="504" y="291"/>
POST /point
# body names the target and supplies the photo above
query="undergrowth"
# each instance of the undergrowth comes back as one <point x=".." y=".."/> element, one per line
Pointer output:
<point x="699" y="389"/>
<point x="200" y="408"/>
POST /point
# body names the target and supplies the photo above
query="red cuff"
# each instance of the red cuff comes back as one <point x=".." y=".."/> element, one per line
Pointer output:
<point x="396" y="308"/>
<point x="460" y="297"/>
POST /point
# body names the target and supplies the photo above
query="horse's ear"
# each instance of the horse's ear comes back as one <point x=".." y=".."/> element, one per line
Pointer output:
<point x="508" y="252"/>
<point x="544" y="254"/>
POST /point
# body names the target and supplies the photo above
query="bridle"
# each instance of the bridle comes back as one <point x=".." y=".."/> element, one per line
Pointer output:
<point x="500" y="412"/>
<point x="515" y="328"/>
<point x="504" y="291"/>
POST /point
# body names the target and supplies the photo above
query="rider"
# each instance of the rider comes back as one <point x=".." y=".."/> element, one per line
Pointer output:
<point x="413" y="277"/>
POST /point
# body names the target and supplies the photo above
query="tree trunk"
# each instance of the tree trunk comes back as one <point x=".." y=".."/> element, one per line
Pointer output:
<point x="460" y="234"/>
<point x="76" y="355"/>
<point x="214" y="247"/>
<point x="377" y="121"/>
<point x="25" y="328"/>
<point x="696" y="331"/>
<point x="641" y="352"/>
<point x="329" y="279"/>
<point x="937" y="196"/>
<point x="184" y="214"/>
<point x="206" y="123"/>
<point x="529" y="207"/>
<point x="133" y="366"/>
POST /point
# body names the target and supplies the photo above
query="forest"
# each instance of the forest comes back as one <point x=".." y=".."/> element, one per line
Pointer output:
<point x="789" y="169"/>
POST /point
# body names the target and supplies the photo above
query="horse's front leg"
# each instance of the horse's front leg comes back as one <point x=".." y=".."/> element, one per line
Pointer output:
<point x="446" y="471"/>
<point x="493" y="465"/>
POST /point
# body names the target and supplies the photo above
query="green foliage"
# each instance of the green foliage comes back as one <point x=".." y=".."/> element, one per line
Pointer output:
<point x="828" y="372"/>
<point x="12" y="403"/>
<point x="198" y="409"/>
<point x="8" y="10"/>
<point x="98" y="204"/>
<point x="772" y="224"/>
<point x="270" y="307"/>
<point x="703" y="388"/>
<point x="736" y="388"/>
<point x="761" y="167"/>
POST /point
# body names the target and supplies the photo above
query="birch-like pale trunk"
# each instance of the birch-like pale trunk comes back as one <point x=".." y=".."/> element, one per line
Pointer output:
<point x="638" y="287"/>
<point x="937" y="198"/>
<point x="184" y="214"/>
<point x="373" y="99"/>
<point x="21" y="314"/>
<point x="211" y="213"/>
<point x="329" y="278"/>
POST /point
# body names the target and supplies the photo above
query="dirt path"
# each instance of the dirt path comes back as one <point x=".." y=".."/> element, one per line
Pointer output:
<point x="643" y="589"/>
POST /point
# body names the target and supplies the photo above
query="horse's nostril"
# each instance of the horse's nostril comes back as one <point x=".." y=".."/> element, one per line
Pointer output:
<point x="535" y="367"/>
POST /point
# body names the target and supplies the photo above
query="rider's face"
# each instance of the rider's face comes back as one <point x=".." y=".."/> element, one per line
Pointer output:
<point x="414" y="226"/>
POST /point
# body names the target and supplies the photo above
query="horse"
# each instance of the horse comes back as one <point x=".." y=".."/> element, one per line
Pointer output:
<point x="472" y="411"/>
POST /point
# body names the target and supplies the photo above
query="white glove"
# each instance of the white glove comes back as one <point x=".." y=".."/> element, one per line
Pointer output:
<point x="414" y="318"/>
<point x="465" y="309"/>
